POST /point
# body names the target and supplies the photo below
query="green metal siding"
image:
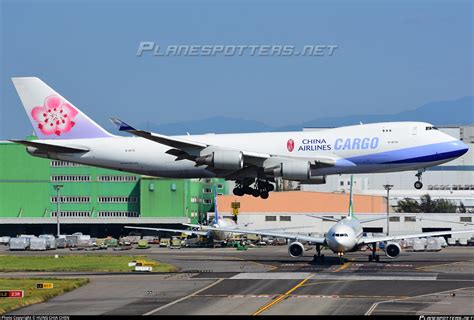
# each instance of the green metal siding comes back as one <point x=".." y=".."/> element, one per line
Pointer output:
<point x="26" y="190"/>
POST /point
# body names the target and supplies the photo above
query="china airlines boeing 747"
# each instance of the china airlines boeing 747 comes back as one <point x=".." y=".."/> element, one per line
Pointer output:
<point x="253" y="160"/>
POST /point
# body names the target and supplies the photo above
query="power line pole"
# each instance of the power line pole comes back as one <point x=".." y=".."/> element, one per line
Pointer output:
<point x="388" y="187"/>
<point x="58" y="187"/>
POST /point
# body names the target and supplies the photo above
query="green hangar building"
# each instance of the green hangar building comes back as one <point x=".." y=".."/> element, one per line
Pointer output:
<point x="93" y="200"/>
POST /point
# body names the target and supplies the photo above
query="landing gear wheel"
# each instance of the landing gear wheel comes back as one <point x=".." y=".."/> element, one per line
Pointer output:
<point x="255" y="193"/>
<point x="248" y="190"/>
<point x="418" y="185"/>
<point x="264" y="194"/>
<point x="238" y="191"/>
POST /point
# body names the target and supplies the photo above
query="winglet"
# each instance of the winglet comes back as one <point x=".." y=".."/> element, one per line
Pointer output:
<point x="122" y="126"/>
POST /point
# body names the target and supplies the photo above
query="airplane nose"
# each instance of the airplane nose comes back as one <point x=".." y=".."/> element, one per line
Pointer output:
<point x="462" y="148"/>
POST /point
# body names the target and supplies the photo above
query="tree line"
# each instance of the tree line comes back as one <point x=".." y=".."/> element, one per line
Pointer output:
<point x="428" y="205"/>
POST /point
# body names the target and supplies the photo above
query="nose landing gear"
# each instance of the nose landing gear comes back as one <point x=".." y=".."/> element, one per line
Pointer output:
<point x="341" y="257"/>
<point x="418" y="184"/>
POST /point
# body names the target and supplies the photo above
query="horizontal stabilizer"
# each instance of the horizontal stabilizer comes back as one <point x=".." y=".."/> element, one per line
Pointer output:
<point x="50" y="147"/>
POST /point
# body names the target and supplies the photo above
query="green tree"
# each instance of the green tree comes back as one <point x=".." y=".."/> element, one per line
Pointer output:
<point x="427" y="205"/>
<point x="408" y="205"/>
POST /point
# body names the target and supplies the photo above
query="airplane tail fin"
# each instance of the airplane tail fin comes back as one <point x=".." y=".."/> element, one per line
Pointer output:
<point x="52" y="116"/>
<point x="216" y="213"/>
<point x="351" y="208"/>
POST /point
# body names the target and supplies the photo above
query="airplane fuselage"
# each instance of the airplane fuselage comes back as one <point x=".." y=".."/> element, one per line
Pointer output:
<point x="379" y="147"/>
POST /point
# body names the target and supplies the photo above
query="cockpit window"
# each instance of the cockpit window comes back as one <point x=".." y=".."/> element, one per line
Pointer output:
<point x="431" y="128"/>
<point x="340" y="235"/>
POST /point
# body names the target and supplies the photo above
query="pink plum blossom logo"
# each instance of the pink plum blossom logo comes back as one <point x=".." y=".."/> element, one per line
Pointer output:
<point x="290" y="145"/>
<point x="56" y="116"/>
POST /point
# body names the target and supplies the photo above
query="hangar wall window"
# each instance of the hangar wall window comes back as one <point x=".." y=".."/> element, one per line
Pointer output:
<point x="394" y="219"/>
<point x="465" y="219"/>
<point x="270" y="218"/>
<point x="70" y="178"/>
<point x="116" y="178"/>
<point x="410" y="219"/>
<point x="116" y="199"/>
<point x="71" y="199"/>
<point x="285" y="218"/>
<point x="63" y="164"/>
<point x="72" y="214"/>
<point x="118" y="214"/>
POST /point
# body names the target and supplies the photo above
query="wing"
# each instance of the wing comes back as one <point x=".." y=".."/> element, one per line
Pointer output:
<point x="365" y="240"/>
<point x="191" y="150"/>
<point x="188" y="232"/>
<point x="324" y="218"/>
<point x="50" y="147"/>
<point x="372" y="219"/>
<point x="297" y="237"/>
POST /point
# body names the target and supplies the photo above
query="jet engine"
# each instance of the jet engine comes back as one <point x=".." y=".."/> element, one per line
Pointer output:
<point x="296" y="249"/>
<point x="392" y="250"/>
<point x="291" y="170"/>
<point x="223" y="159"/>
<point x="315" y="180"/>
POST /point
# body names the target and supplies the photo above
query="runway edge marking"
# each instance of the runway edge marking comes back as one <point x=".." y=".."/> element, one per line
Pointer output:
<point x="183" y="298"/>
<point x="375" y="305"/>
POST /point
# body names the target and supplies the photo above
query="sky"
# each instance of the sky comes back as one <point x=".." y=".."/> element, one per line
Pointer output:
<point x="391" y="56"/>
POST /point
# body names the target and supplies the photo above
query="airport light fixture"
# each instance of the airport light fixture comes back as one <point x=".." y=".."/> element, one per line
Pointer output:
<point x="388" y="187"/>
<point x="58" y="187"/>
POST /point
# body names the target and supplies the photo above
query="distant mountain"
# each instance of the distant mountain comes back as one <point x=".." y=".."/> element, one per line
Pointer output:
<point x="451" y="112"/>
<point x="209" y="125"/>
<point x="455" y="112"/>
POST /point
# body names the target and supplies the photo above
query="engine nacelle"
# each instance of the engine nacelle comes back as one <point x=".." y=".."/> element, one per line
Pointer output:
<point x="296" y="249"/>
<point x="223" y="159"/>
<point x="392" y="250"/>
<point x="315" y="180"/>
<point x="290" y="170"/>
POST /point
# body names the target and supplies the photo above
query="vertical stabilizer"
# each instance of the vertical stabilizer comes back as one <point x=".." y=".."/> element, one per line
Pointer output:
<point x="52" y="116"/>
<point x="351" y="208"/>
<point x="216" y="213"/>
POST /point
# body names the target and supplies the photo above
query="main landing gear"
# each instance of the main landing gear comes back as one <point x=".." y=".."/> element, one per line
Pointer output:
<point x="419" y="184"/>
<point x="374" y="256"/>
<point x="318" y="256"/>
<point x="261" y="188"/>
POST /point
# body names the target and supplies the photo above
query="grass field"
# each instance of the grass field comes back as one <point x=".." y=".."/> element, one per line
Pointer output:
<point x="104" y="263"/>
<point x="33" y="295"/>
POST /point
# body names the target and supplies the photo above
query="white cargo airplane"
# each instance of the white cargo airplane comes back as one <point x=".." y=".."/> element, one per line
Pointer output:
<point x="345" y="236"/>
<point x="66" y="133"/>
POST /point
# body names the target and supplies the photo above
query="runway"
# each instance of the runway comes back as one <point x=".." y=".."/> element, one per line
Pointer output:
<point x="264" y="281"/>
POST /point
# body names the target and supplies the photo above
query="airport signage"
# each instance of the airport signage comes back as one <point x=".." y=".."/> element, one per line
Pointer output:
<point x="12" y="293"/>
<point x="45" y="285"/>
